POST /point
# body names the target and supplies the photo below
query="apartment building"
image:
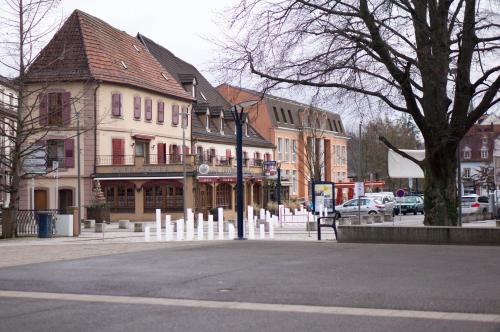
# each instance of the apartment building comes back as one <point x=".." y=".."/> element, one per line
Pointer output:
<point x="132" y="114"/>
<point x="308" y="140"/>
<point x="8" y="109"/>
<point x="213" y="141"/>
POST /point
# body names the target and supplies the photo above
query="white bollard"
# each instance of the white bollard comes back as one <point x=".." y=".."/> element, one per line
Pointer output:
<point x="180" y="229"/>
<point x="272" y="222"/>
<point x="220" y="214"/>
<point x="168" y="222"/>
<point x="158" y="225"/>
<point x="147" y="234"/>
<point x="250" y="213"/>
<point x="262" y="214"/>
<point x="190" y="227"/>
<point x="200" y="226"/>
<point x="220" y="225"/>
<point x="262" y="234"/>
<point x="169" y="231"/>
<point x="210" y="227"/>
<point x="231" y="231"/>
<point x="251" y="228"/>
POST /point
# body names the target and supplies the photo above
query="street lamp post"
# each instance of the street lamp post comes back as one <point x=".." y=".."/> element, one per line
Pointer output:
<point x="238" y="120"/>
<point x="278" y="185"/>
<point x="184" y="124"/>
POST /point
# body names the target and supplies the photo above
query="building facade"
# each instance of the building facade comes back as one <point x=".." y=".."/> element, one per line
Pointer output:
<point x="132" y="116"/>
<point x="309" y="142"/>
<point x="8" y="108"/>
<point x="213" y="141"/>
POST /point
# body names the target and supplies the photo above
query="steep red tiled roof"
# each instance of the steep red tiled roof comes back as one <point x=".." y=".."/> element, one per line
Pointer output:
<point x="88" y="48"/>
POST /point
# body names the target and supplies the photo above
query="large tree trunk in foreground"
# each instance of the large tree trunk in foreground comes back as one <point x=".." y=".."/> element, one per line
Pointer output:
<point x="9" y="216"/>
<point x="440" y="193"/>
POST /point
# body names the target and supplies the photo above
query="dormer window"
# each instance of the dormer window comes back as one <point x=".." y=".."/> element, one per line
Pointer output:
<point x="484" y="153"/>
<point x="207" y="126"/>
<point x="485" y="140"/>
<point x="467" y="153"/>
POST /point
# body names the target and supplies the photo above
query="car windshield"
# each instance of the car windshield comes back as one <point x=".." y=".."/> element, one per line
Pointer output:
<point x="410" y="200"/>
<point x="468" y="199"/>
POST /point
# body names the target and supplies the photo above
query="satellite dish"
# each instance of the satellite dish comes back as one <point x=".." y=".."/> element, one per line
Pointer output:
<point x="203" y="169"/>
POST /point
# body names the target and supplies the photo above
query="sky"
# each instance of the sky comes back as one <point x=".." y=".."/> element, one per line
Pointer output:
<point x="183" y="27"/>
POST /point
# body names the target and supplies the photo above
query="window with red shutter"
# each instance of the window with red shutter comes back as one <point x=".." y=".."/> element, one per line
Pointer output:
<point x="148" y="109"/>
<point x="66" y="108"/>
<point x="161" y="153"/>
<point x="175" y="115"/>
<point x="228" y="154"/>
<point x="69" y="153"/>
<point x="118" y="148"/>
<point x="161" y="112"/>
<point x="137" y="107"/>
<point x="116" y="104"/>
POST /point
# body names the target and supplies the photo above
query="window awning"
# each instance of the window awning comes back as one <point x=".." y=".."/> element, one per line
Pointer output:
<point x="143" y="137"/>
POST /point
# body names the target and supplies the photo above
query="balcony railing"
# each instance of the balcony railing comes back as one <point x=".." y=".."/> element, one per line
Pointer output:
<point x="227" y="161"/>
<point x="115" y="160"/>
<point x="170" y="159"/>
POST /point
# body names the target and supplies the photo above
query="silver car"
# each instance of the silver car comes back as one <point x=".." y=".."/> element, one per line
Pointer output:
<point x="368" y="206"/>
<point x="475" y="204"/>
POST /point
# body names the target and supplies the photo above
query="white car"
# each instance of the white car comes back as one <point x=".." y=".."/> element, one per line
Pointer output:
<point x="387" y="198"/>
<point x="368" y="206"/>
<point x="475" y="204"/>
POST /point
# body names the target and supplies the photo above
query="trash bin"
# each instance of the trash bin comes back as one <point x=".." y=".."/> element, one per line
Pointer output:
<point x="44" y="225"/>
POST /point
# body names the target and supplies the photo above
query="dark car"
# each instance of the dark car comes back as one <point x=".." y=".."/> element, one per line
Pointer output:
<point x="411" y="204"/>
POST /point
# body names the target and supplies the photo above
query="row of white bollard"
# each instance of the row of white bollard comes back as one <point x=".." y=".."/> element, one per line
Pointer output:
<point x="186" y="229"/>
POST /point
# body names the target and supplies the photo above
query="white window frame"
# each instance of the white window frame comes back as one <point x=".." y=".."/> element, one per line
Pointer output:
<point x="295" y="186"/>
<point x="287" y="149"/>
<point x="280" y="148"/>
<point x="467" y="154"/>
<point x="484" y="153"/>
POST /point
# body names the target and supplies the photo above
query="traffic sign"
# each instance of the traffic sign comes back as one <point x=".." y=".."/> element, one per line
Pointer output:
<point x="400" y="193"/>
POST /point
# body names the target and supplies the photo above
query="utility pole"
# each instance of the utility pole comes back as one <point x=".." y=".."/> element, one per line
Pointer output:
<point x="278" y="185"/>
<point x="360" y="178"/>
<point x="184" y="182"/>
<point x="78" y="170"/>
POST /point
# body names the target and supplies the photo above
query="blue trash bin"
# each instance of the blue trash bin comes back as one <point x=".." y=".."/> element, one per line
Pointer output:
<point x="44" y="225"/>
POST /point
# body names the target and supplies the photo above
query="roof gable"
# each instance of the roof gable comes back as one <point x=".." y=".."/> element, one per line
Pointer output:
<point x="88" y="48"/>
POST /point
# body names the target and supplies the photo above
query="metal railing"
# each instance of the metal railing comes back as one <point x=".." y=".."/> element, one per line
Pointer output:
<point x="227" y="161"/>
<point x="115" y="160"/>
<point x="27" y="222"/>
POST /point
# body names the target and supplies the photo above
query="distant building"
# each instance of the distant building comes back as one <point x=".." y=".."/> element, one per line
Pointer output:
<point x="292" y="126"/>
<point x="8" y="109"/>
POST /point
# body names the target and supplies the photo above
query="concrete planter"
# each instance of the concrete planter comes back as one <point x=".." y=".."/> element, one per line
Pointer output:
<point x="100" y="228"/>
<point x="420" y="235"/>
<point x="366" y="219"/>
<point x="377" y="219"/>
<point x="388" y="218"/>
<point x="139" y="227"/>
<point x="99" y="214"/>
<point x="266" y="225"/>
<point x="498" y="222"/>
<point x="123" y="224"/>
<point x="89" y="223"/>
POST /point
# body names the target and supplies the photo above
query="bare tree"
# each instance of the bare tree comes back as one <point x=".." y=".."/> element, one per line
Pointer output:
<point x="434" y="60"/>
<point x="310" y="152"/>
<point x="25" y="26"/>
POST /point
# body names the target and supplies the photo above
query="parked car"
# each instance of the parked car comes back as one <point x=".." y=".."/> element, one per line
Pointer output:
<point x="475" y="204"/>
<point x="387" y="198"/>
<point x="410" y="204"/>
<point x="368" y="206"/>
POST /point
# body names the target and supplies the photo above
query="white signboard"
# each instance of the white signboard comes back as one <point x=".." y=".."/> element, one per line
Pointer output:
<point x="400" y="167"/>
<point x="359" y="189"/>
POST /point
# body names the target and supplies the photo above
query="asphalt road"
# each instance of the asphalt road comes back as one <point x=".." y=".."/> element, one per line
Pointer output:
<point x="277" y="286"/>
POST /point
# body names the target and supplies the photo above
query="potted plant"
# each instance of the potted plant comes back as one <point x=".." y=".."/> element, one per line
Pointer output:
<point x="98" y="209"/>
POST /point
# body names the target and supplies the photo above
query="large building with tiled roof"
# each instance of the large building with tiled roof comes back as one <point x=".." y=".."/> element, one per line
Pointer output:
<point x="132" y="116"/>
<point x="307" y="139"/>
<point x="213" y="135"/>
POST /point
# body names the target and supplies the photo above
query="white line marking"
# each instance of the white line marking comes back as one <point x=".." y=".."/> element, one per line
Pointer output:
<point x="267" y="307"/>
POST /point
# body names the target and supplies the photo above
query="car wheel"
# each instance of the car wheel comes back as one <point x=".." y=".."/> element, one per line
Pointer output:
<point x="485" y="211"/>
<point x="372" y="213"/>
<point x="415" y="212"/>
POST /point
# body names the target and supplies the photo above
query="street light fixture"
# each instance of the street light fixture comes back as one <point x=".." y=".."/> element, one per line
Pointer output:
<point x="237" y="111"/>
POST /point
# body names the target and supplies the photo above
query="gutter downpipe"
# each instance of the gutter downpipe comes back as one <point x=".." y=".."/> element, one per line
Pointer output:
<point x="99" y="82"/>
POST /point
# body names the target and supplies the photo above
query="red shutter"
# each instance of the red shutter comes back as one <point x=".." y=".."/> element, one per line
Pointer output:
<point x="175" y="115"/>
<point x="161" y="153"/>
<point x="69" y="153"/>
<point x="118" y="146"/>
<point x="137" y="107"/>
<point x="161" y="113"/>
<point x="148" y="109"/>
<point x="44" y="109"/>
<point x="66" y="108"/>
<point x="228" y="154"/>
<point x="187" y="150"/>
<point x="116" y="104"/>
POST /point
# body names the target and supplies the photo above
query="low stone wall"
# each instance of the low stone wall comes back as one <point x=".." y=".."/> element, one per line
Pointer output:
<point x="423" y="235"/>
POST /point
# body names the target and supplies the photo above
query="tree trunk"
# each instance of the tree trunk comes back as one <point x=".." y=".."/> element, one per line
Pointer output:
<point x="9" y="216"/>
<point x="440" y="190"/>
